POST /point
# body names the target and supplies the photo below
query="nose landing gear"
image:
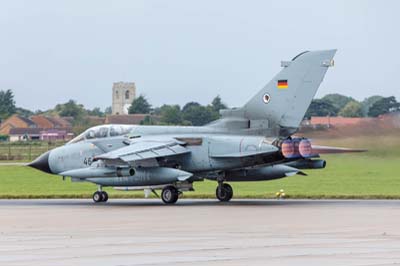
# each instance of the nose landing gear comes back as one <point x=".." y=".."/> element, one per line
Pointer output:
<point x="100" y="196"/>
<point x="224" y="192"/>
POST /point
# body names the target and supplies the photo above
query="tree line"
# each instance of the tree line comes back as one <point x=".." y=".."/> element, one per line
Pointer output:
<point x="192" y="113"/>
<point x="196" y="114"/>
<point x="341" y="105"/>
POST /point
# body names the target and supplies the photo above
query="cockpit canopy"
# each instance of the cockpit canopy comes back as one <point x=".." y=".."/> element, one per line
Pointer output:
<point x="103" y="131"/>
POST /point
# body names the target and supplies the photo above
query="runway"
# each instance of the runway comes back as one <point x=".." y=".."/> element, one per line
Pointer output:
<point x="199" y="232"/>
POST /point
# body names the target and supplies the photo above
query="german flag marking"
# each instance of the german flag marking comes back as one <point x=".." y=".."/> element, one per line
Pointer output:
<point x="282" y="84"/>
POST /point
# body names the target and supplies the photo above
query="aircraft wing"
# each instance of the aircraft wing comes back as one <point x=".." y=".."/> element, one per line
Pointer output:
<point x="144" y="150"/>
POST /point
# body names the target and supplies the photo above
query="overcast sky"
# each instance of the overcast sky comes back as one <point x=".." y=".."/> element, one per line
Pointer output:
<point x="180" y="51"/>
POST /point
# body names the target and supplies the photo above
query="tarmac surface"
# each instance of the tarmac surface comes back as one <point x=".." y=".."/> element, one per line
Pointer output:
<point x="200" y="232"/>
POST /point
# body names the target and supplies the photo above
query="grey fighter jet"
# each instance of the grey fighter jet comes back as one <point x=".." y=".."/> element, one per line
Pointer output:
<point x="253" y="143"/>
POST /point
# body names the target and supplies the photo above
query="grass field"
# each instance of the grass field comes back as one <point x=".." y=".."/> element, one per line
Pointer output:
<point x="374" y="174"/>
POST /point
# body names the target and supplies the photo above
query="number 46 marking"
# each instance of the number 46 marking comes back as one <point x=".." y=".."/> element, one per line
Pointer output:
<point x="88" y="161"/>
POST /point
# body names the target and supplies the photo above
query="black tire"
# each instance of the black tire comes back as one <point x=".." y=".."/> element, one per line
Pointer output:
<point x="229" y="189"/>
<point x="169" y="195"/>
<point x="104" y="196"/>
<point x="97" y="197"/>
<point x="224" y="192"/>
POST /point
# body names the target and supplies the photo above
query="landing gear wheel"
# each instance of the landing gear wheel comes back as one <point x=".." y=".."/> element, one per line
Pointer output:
<point x="104" y="196"/>
<point x="169" y="194"/>
<point x="224" y="192"/>
<point x="98" y="196"/>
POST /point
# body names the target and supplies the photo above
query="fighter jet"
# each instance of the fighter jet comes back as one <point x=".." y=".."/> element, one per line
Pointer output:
<point x="255" y="142"/>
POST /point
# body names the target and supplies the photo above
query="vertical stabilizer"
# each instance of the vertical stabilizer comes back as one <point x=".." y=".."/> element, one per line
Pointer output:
<point x="285" y="99"/>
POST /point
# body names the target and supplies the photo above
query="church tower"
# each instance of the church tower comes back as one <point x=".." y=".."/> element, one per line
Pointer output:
<point x="123" y="93"/>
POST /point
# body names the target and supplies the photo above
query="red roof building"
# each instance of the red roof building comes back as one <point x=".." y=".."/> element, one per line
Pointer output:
<point x="339" y="120"/>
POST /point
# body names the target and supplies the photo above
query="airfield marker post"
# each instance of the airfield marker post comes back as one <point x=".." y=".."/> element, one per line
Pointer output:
<point x="30" y="152"/>
<point x="9" y="151"/>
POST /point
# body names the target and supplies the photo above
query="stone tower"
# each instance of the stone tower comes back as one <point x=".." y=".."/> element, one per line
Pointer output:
<point x="123" y="93"/>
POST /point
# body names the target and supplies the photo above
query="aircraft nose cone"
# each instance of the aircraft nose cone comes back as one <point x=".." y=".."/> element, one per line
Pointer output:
<point x="42" y="163"/>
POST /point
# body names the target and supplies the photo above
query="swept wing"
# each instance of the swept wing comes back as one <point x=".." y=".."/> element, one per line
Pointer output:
<point x="144" y="150"/>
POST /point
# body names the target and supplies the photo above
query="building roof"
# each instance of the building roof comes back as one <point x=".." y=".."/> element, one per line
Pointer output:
<point x="25" y="131"/>
<point x="338" y="120"/>
<point x="12" y="122"/>
<point x="133" y="119"/>
<point x="390" y="115"/>
<point x="27" y="121"/>
<point x="42" y="121"/>
<point x="59" y="121"/>
<point x="5" y="129"/>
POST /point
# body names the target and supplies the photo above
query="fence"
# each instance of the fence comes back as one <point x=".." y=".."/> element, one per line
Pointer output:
<point x="26" y="151"/>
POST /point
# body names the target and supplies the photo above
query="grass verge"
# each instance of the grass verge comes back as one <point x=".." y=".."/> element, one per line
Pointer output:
<point x="371" y="175"/>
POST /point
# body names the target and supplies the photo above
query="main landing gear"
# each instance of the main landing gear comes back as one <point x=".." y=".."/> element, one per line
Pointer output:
<point x="100" y="196"/>
<point x="224" y="192"/>
<point x="170" y="194"/>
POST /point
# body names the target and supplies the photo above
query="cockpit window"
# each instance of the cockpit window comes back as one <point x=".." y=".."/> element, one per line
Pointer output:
<point x="103" y="132"/>
<point x="90" y="134"/>
<point x="118" y="130"/>
<point x="115" y="131"/>
<point x="126" y="130"/>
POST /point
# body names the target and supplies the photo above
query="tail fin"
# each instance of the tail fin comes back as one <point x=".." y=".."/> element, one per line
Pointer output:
<point x="286" y="98"/>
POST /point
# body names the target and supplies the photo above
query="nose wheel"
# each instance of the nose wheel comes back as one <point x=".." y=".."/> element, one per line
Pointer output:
<point x="224" y="192"/>
<point x="100" y="196"/>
